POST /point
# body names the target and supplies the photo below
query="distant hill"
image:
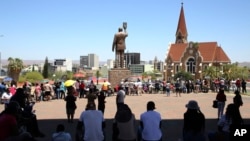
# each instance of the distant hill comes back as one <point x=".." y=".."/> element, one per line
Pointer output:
<point x="247" y="64"/>
<point x="31" y="62"/>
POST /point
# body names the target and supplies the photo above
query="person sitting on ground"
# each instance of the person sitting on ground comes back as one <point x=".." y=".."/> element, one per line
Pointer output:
<point x="230" y="120"/>
<point x="150" y="124"/>
<point x="60" y="134"/>
<point x="6" y="96"/>
<point x="194" y="123"/>
<point x="27" y="118"/>
<point x="91" y="124"/>
<point x="124" y="124"/>
<point x="9" y="125"/>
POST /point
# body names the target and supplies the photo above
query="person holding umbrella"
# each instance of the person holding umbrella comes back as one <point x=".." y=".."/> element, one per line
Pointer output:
<point x="70" y="103"/>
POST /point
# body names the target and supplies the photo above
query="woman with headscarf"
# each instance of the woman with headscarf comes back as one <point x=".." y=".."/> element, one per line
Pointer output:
<point x="194" y="123"/>
<point x="124" y="124"/>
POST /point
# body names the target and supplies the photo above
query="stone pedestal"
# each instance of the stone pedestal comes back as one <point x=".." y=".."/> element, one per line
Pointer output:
<point x="117" y="74"/>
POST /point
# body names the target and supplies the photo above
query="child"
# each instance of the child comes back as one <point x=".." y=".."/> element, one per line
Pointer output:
<point x="60" y="134"/>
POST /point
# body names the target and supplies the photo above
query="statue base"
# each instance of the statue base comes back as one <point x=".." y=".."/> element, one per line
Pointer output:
<point x="117" y="74"/>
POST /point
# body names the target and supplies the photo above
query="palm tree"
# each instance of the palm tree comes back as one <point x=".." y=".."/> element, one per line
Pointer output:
<point x="15" y="66"/>
<point x="210" y="72"/>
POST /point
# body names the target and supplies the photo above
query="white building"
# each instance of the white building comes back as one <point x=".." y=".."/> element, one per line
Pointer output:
<point x="63" y="65"/>
<point x="110" y="63"/>
<point x="93" y="61"/>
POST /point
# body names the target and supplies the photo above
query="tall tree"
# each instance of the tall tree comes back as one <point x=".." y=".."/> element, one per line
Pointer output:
<point x="15" y="66"/>
<point x="33" y="67"/>
<point x="46" y="68"/>
<point x="97" y="74"/>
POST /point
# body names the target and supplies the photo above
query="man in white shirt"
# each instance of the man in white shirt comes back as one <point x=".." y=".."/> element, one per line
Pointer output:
<point x="150" y="122"/>
<point x="6" y="96"/>
<point x="91" y="123"/>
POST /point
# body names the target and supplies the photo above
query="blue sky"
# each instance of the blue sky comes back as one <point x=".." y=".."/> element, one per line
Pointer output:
<point x="34" y="29"/>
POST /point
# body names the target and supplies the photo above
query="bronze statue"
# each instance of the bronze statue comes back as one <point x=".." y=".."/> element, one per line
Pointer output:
<point x="119" y="46"/>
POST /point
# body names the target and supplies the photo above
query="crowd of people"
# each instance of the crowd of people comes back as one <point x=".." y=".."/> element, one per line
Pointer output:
<point x="19" y="114"/>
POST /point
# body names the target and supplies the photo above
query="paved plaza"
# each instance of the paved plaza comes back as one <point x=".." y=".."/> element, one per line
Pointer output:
<point x="172" y="108"/>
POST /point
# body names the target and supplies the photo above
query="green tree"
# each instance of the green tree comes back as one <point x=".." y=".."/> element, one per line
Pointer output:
<point x="46" y="68"/>
<point x="33" y="77"/>
<point x="97" y="74"/>
<point x="33" y="67"/>
<point x="210" y="72"/>
<point x="183" y="75"/>
<point x="15" y="66"/>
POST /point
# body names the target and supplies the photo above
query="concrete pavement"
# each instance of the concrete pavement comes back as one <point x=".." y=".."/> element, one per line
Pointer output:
<point x="172" y="108"/>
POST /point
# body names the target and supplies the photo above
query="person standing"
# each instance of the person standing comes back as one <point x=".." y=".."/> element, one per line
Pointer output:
<point x="243" y="86"/>
<point x="237" y="99"/>
<point x="150" y="124"/>
<point x="101" y="102"/>
<point x="82" y="91"/>
<point x="38" y="92"/>
<point x="221" y="98"/>
<point x="168" y="85"/>
<point x="120" y="97"/>
<point x="91" y="124"/>
<point x="194" y="123"/>
<point x="70" y="104"/>
<point x="177" y="88"/>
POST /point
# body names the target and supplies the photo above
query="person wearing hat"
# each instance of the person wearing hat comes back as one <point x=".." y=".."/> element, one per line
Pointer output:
<point x="194" y="123"/>
<point x="91" y="124"/>
<point x="150" y="124"/>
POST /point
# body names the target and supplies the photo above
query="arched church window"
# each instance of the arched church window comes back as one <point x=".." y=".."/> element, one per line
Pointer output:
<point x="177" y="68"/>
<point x="205" y="67"/>
<point x="190" y="65"/>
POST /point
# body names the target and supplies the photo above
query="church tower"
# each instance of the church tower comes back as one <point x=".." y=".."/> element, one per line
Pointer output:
<point x="181" y="32"/>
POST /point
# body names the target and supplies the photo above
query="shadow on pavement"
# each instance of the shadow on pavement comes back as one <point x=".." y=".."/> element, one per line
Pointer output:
<point x="171" y="128"/>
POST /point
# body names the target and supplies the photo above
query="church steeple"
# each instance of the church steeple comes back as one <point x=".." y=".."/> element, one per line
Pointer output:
<point x="181" y="32"/>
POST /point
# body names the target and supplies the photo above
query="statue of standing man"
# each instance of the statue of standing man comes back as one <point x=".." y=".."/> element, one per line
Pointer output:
<point x="119" y="46"/>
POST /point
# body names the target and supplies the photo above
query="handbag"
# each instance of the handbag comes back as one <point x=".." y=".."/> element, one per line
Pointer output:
<point x="215" y="104"/>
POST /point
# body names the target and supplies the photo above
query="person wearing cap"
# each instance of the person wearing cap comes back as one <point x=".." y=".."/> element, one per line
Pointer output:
<point x="150" y="124"/>
<point x="91" y="124"/>
<point x="194" y="123"/>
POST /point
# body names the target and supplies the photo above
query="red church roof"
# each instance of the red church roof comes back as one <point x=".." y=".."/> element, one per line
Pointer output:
<point x="209" y="51"/>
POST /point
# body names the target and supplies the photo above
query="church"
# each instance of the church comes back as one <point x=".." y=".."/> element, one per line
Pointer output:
<point x="193" y="57"/>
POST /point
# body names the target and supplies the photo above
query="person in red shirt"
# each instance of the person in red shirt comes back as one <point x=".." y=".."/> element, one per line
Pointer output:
<point x="82" y="87"/>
